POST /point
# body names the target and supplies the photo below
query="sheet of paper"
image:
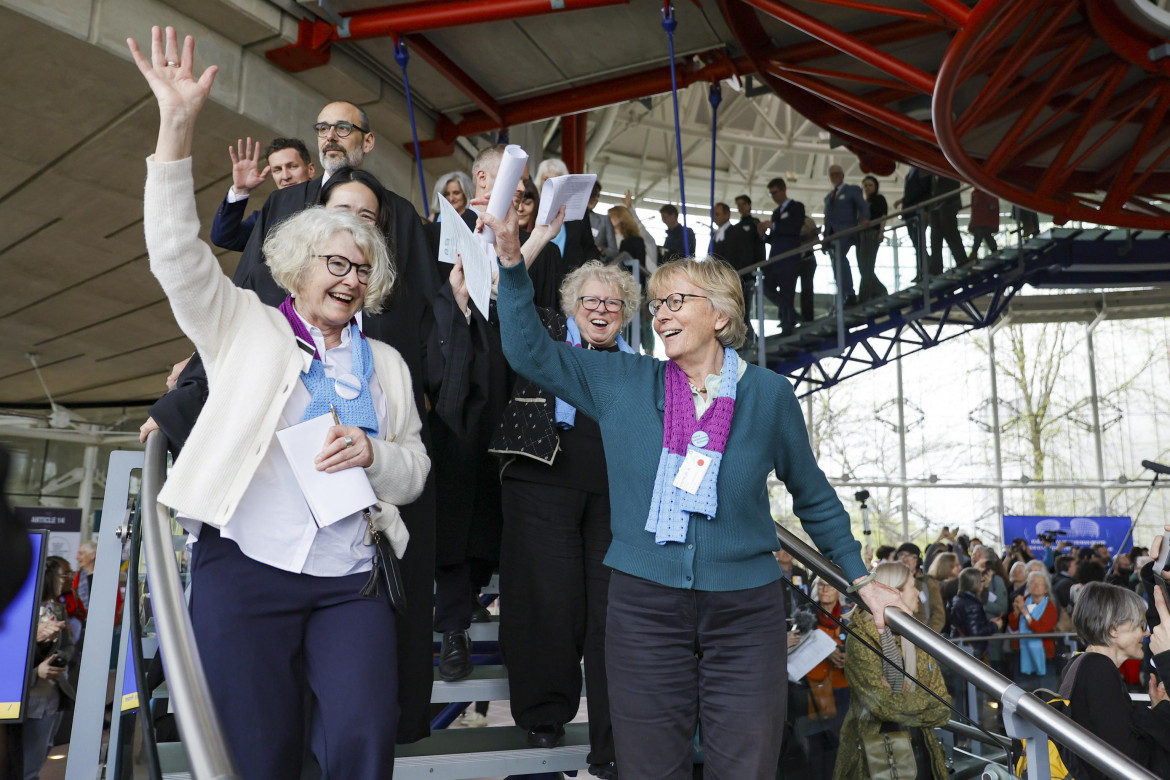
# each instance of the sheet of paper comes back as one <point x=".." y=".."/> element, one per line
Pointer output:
<point x="570" y="191"/>
<point x="814" y="648"/>
<point x="456" y="240"/>
<point x="331" y="497"/>
<point x="512" y="163"/>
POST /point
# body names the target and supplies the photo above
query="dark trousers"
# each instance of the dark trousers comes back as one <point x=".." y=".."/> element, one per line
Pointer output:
<point x="869" y="286"/>
<point x="453" y="597"/>
<point x="944" y="226"/>
<point x="780" y="289"/>
<point x="267" y="636"/>
<point x="808" y="268"/>
<point x="839" y="252"/>
<point x="678" y="659"/>
<point x="554" y="591"/>
<point x="983" y="236"/>
<point x="916" y="229"/>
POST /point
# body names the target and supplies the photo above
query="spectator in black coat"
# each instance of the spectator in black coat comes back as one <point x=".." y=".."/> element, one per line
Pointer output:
<point x="967" y="616"/>
<point x="1066" y="571"/>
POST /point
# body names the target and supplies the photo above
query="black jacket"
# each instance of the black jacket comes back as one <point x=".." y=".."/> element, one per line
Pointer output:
<point x="528" y="425"/>
<point x="969" y="619"/>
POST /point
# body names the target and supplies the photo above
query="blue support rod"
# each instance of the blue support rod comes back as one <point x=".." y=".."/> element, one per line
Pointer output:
<point x="714" y="97"/>
<point x="402" y="57"/>
<point x="669" y="24"/>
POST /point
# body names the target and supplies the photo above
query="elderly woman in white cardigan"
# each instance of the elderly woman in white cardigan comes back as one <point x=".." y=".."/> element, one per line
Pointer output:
<point x="277" y="598"/>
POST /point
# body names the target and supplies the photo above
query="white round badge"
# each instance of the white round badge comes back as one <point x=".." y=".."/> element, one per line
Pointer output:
<point x="347" y="386"/>
<point x="700" y="438"/>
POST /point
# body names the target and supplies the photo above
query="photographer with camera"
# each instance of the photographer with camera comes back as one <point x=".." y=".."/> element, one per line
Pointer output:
<point x="49" y="680"/>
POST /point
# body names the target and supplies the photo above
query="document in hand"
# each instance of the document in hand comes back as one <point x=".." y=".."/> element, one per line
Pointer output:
<point x="570" y="191"/>
<point x="457" y="241"/>
<point x="331" y="497"/>
<point x="814" y="648"/>
<point x="512" y="163"/>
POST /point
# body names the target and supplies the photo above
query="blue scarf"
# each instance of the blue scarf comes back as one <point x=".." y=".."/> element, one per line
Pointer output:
<point x="1032" y="660"/>
<point x="359" y="410"/>
<point x="671" y="507"/>
<point x="565" y="413"/>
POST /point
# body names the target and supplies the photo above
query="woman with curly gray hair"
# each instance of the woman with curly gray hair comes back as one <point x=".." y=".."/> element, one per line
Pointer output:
<point x="281" y="600"/>
<point x="556" y="528"/>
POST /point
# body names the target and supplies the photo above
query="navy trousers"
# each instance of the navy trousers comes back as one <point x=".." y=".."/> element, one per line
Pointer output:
<point x="680" y="658"/>
<point x="267" y="637"/>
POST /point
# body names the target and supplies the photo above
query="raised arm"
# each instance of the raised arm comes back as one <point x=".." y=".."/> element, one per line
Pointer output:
<point x="180" y="96"/>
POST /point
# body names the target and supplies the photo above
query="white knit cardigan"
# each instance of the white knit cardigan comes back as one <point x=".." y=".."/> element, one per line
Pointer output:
<point x="253" y="363"/>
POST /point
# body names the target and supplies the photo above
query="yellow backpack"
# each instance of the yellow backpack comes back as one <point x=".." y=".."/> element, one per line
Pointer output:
<point x="1056" y="766"/>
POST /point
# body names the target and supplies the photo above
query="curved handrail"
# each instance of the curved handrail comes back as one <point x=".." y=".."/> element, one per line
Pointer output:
<point x="1087" y="745"/>
<point x="203" y="739"/>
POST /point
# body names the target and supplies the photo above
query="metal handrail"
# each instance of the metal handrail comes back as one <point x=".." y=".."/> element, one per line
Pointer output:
<point x="203" y="739"/>
<point x="1096" y="751"/>
<point x="834" y="237"/>
<point x="960" y="640"/>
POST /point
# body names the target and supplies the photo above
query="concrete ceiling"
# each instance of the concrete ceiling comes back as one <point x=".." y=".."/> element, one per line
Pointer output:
<point x="77" y="291"/>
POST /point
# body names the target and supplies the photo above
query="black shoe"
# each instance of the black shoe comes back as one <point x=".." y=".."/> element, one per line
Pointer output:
<point x="606" y="771"/>
<point x="479" y="613"/>
<point x="455" y="657"/>
<point x="550" y="735"/>
<point x="850" y="301"/>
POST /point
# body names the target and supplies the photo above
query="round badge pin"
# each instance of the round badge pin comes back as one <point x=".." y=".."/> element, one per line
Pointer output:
<point x="700" y="438"/>
<point x="347" y="386"/>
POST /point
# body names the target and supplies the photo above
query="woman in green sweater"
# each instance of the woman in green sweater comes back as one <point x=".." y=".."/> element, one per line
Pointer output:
<point x="882" y="694"/>
<point x="695" y="632"/>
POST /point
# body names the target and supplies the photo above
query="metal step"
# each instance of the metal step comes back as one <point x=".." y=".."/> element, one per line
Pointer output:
<point x="486" y="683"/>
<point x="479" y="632"/>
<point x="455" y="754"/>
<point x="458" y="754"/>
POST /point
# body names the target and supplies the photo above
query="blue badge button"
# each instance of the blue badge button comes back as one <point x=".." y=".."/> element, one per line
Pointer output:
<point x="700" y="438"/>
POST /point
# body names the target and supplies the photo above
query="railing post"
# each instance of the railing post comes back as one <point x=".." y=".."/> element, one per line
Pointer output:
<point x="1018" y="728"/>
<point x="636" y="322"/>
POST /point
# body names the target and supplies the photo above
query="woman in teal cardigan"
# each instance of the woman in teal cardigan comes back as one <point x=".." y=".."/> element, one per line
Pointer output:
<point x="696" y="630"/>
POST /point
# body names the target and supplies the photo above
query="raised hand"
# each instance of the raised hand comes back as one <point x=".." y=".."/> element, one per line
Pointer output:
<point x="180" y="96"/>
<point x="246" y="173"/>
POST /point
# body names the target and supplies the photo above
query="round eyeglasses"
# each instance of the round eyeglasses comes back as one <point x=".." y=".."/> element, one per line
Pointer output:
<point x="674" y="301"/>
<point x="340" y="266"/>
<point x="593" y="303"/>
<point x="343" y="129"/>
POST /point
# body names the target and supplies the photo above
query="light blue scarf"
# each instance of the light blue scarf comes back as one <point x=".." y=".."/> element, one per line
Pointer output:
<point x="1032" y="660"/>
<point x="565" y="413"/>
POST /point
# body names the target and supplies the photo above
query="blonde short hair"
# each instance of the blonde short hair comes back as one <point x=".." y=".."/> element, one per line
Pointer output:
<point x="721" y="283"/>
<point x="887" y="573"/>
<point x="290" y="247"/>
<point x="616" y="277"/>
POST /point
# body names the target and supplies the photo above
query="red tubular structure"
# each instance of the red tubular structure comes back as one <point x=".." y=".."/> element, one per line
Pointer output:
<point x="315" y="37"/>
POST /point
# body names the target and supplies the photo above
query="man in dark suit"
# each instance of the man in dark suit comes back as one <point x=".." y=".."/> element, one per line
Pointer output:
<point x="743" y="205"/>
<point x="783" y="236"/>
<point x="675" y="245"/>
<point x="288" y="160"/>
<point x="944" y="222"/>
<point x="344" y="138"/>
<point x="736" y="244"/>
<point x="845" y="208"/>
<point x="915" y="190"/>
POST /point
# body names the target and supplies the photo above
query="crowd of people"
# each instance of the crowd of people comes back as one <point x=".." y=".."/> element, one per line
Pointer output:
<point x="1099" y="604"/>
<point x="621" y="498"/>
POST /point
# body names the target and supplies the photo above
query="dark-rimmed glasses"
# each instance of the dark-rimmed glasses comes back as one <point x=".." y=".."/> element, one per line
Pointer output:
<point x="340" y="266"/>
<point x="674" y="301"/>
<point x="343" y="129"/>
<point x="593" y="303"/>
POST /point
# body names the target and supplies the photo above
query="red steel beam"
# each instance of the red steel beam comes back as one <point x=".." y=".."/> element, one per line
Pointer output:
<point x="885" y="10"/>
<point x="848" y="44"/>
<point x="316" y="37"/>
<point x="456" y="75"/>
<point x="429" y="15"/>
<point x="587" y="97"/>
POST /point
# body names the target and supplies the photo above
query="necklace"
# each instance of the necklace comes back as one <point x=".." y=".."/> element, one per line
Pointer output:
<point x="697" y="390"/>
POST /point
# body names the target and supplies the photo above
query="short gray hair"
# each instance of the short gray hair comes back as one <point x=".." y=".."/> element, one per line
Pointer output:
<point x="1042" y="576"/>
<point x="290" y="247"/>
<point x="441" y="188"/>
<point x="1101" y="607"/>
<point x="615" y="276"/>
<point x="970" y="579"/>
<point x="721" y="283"/>
<point x="550" y="168"/>
<point x="89" y="545"/>
<point x="887" y="573"/>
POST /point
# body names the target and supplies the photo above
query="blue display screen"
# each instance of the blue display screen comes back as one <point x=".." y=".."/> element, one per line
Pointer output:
<point x="17" y="629"/>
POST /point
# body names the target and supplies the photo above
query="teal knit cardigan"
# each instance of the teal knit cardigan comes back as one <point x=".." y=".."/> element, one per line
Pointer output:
<point x="625" y="394"/>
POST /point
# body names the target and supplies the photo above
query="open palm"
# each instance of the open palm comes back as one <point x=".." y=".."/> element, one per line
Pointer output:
<point x="169" y="74"/>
